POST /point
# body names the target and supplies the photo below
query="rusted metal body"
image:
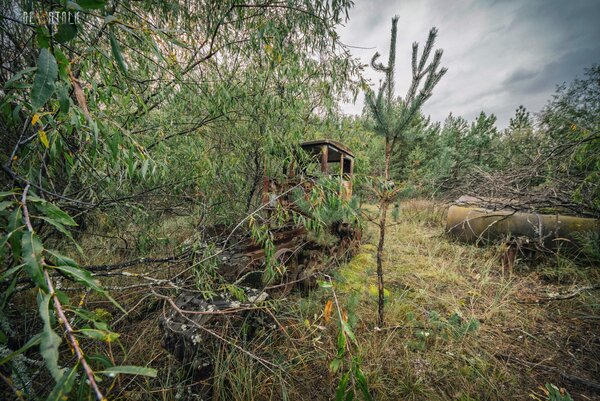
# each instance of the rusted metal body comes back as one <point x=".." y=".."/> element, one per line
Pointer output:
<point x="290" y="241"/>
<point x="242" y="260"/>
<point x="336" y="159"/>
<point x="190" y="329"/>
<point x="473" y="224"/>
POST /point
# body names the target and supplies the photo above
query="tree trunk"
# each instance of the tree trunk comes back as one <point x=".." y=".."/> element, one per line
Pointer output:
<point x="383" y="206"/>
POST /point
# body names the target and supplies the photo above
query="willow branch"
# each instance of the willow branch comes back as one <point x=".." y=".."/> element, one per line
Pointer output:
<point x="60" y="311"/>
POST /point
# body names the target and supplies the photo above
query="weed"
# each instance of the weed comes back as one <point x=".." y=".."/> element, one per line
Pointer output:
<point x="550" y="392"/>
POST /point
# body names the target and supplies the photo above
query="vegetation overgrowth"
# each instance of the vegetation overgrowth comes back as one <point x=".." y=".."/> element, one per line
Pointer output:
<point x="137" y="138"/>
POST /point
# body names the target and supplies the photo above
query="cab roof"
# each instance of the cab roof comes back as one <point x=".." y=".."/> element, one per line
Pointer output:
<point x="334" y="145"/>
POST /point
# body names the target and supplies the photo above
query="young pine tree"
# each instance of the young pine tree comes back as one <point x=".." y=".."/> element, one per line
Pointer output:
<point x="393" y="116"/>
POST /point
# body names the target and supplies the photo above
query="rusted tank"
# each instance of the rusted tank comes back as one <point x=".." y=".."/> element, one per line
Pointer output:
<point x="474" y="224"/>
<point x="193" y="328"/>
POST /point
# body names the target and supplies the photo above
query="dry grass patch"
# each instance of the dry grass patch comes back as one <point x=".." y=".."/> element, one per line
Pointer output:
<point x="457" y="328"/>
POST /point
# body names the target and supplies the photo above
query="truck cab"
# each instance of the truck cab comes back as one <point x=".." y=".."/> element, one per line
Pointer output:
<point x="327" y="157"/>
<point x="335" y="159"/>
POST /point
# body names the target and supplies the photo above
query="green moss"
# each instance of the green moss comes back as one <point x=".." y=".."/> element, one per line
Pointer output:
<point x="355" y="273"/>
<point x="371" y="248"/>
<point x="374" y="291"/>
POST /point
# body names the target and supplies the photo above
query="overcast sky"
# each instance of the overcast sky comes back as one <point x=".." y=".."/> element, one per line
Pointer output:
<point x="499" y="53"/>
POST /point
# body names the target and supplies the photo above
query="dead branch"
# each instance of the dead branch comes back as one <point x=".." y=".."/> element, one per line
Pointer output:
<point x="570" y="295"/>
<point x="592" y="385"/>
<point x="99" y="268"/>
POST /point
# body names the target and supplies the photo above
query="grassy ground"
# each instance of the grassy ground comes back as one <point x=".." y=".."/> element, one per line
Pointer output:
<point x="457" y="327"/>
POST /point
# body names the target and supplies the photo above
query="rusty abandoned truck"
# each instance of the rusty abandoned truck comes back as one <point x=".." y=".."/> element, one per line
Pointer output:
<point x="190" y="323"/>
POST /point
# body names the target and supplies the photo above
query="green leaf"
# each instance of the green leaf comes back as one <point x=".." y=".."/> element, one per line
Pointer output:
<point x="324" y="284"/>
<point x="335" y="364"/>
<point x="116" y="51"/>
<point x="5" y="205"/>
<point x="62" y="260"/>
<point x="62" y="229"/>
<point x="13" y="80"/>
<point x="10" y="272"/>
<point x="5" y="194"/>
<point x="54" y="213"/>
<point x="63" y="99"/>
<point x="341" y="344"/>
<point x="65" y="32"/>
<point x="62" y="296"/>
<point x="63" y="64"/>
<point x="7" y="292"/>
<point x="63" y="387"/>
<point x="49" y="340"/>
<point x="43" y="81"/>
<point x="8" y="237"/>
<point x="103" y="335"/>
<point x="97" y="320"/>
<point x="91" y="4"/>
<point x="81" y="276"/>
<point x="170" y="38"/>
<point x="71" y="267"/>
<point x="361" y="382"/>
<point x="342" y="386"/>
<point x="32" y="257"/>
<point x="15" y="219"/>
<point x="101" y="359"/>
<point x="348" y="331"/>
<point x="42" y="37"/>
<point x="129" y="370"/>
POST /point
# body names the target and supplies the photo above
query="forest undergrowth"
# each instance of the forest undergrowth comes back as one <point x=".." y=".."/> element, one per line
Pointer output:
<point x="458" y="326"/>
<point x="144" y="147"/>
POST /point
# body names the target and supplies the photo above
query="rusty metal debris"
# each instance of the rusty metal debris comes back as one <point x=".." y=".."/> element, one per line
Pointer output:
<point x="475" y="224"/>
<point x="192" y="323"/>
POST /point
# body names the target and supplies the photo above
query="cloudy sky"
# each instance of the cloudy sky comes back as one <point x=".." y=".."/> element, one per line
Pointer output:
<point x="499" y="53"/>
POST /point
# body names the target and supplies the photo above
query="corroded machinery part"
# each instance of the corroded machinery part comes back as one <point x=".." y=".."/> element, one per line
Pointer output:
<point x="196" y="327"/>
<point x="474" y="225"/>
<point x="190" y="332"/>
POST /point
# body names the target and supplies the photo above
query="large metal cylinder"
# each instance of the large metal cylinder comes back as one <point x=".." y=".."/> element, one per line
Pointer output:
<point x="473" y="225"/>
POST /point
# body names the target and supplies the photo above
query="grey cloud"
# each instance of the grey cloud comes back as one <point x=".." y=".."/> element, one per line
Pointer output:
<point x="563" y="69"/>
<point x="519" y="75"/>
<point x="500" y="54"/>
